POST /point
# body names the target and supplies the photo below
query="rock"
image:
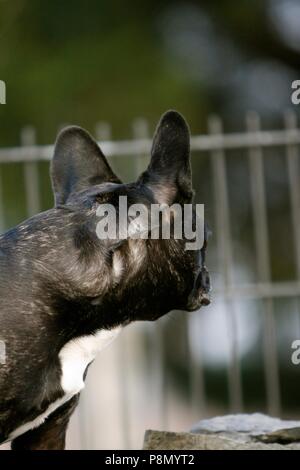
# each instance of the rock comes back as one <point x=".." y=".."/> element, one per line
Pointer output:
<point x="256" y="423"/>
<point x="232" y="432"/>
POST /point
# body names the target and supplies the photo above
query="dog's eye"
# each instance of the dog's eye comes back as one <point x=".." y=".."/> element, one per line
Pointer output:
<point x="102" y="198"/>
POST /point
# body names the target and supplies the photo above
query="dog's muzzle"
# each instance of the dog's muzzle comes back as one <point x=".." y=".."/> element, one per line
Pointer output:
<point x="200" y="293"/>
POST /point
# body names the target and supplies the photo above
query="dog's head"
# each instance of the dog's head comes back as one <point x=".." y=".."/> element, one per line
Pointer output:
<point x="142" y="277"/>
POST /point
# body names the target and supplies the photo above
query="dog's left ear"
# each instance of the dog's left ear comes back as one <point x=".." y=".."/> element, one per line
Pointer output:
<point x="169" y="174"/>
<point x="77" y="164"/>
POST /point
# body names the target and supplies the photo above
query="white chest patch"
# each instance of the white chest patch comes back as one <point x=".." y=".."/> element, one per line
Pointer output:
<point x="74" y="357"/>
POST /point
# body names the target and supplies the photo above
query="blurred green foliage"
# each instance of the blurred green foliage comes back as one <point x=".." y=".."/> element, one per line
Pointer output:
<point x="81" y="62"/>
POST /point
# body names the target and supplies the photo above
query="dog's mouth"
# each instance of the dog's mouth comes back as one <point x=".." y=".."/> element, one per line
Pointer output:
<point x="203" y="300"/>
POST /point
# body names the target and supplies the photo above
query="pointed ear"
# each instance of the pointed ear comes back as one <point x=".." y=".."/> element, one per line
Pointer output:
<point x="78" y="163"/>
<point x="169" y="173"/>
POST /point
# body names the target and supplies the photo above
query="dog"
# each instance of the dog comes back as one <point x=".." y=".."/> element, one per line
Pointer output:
<point x="65" y="293"/>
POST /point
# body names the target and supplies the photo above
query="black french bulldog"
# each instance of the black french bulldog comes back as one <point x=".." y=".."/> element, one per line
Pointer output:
<point x="64" y="293"/>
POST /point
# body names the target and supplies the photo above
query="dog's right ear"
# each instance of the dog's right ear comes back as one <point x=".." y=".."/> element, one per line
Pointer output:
<point x="169" y="175"/>
<point x="77" y="164"/>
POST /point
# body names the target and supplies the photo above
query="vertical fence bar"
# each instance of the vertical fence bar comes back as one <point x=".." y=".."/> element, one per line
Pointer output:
<point x="263" y="265"/>
<point x="31" y="176"/>
<point x="196" y="366"/>
<point x="103" y="131"/>
<point x="140" y="130"/>
<point x="292" y="155"/>
<point x="159" y="373"/>
<point x="122" y="358"/>
<point x="196" y="373"/>
<point x="226" y="262"/>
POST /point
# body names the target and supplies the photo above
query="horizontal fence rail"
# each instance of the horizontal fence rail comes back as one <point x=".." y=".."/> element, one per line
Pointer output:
<point x="139" y="147"/>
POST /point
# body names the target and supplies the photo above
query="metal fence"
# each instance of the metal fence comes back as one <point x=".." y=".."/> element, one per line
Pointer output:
<point x="134" y="391"/>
